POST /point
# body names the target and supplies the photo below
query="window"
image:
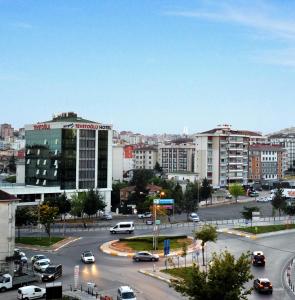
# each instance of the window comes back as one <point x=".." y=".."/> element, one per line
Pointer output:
<point x="44" y="162"/>
<point x="44" y="182"/>
<point x="37" y="171"/>
<point x="28" y="161"/>
<point x="55" y="172"/>
<point x="45" y="142"/>
<point x="56" y="141"/>
<point x="28" y="151"/>
<point x="55" y="152"/>
<point x="38" y="161"/>
<point x="38" y="152"/>
<point x="44" y="172"/>
<point x="37" y="181"/>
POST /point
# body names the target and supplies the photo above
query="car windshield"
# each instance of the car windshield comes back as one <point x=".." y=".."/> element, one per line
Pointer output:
<point x="128" y="295"/>
<point x="40" y="257"/>
<point x="43" y="263"/>
<point x="88" y="254"/>
<point x="265" y="283"/>
<point x="1" y="279"/>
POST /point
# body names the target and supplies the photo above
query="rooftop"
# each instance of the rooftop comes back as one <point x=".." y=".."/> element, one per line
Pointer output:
<point x="68" y="117"/>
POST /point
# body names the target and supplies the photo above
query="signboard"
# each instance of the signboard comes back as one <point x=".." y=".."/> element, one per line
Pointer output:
<point x="167" y="206"/>
<point x="164" y="201"/>
<point x="166" y="247"/>
<point x="158" y="222"/>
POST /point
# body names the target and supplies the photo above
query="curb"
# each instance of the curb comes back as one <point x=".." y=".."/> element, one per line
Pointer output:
<point x="238" y="233"/>
<point x="147" y="273"/>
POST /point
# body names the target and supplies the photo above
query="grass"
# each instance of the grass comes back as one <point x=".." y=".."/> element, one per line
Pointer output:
<point x="146" y="243"/>
<point x="38" y="241"/>
<point x="178" y="272"/>
<point x="266" y="229"/>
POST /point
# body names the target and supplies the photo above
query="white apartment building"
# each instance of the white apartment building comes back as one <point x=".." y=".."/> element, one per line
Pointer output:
<point x="177" y="156"/>
<point x="222" y="155"/>
<point x="118" y="162"/>
<point x="145" y="157"/>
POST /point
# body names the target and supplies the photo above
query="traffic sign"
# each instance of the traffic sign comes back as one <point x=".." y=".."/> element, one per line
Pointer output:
<point x="158" y="222"/>
<point x="166" y="247"/>
<point x="164" y="201"/>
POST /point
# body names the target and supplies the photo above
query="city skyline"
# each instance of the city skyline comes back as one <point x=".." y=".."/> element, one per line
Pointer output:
<point x="192" y="65"/>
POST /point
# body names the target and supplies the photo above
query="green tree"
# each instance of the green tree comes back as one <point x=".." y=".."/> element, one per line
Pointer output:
<point x="115" y="195"/>
<point x="207" y="233"/>
<point x="47" y="216"/>
<point x="25" y="215"/>
<point x="191" y="196"/>
<point x="10" y="179"/>
<point x="247" y="212"/>
<point x="141" y="178"/>
<point x="178" y="197"/>
<point x="158" y="169"/>
<point x="206" y="190"/>
<point x="279" y="202"/>
<point x="225" y="279"/>
<point x="77" y="204"/>
<point x="236" y="190"/>
<point x="184" y="252"/>
<point x="93" y="202"/>
<point x="61" y="202"/>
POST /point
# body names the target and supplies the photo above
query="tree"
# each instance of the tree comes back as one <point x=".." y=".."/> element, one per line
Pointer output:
<point x="279" y="201"/>
<point x="115" y="195"/>
<point x="77" y="204"/>
<point x="247" y="212"/>
<point x="61" y="202"/>
<point x="141" y="178"/>
<point x="158" y="169"/>
<point x="184" y="252"/>
<point x="190" y="202"/>
<point x="207" y="233"/>
<point x="47" y="216"/>
<point x="236" y="190"/>
<point x="177" y="195"/>
<point x="24" y="216"/>
<point x="225" y="279"/>
<point x="93" y="202"/>
<point x="206" y="190"/>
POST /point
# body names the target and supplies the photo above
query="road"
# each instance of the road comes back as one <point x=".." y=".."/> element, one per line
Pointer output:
<point x="110" y="272"/>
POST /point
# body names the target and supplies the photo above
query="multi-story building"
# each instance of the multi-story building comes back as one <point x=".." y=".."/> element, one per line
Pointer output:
<point x="145" y="157"/>
<point x="177" y="156"/>
<point x="222" y="155"/>
<point x="118" y="162"/>
<point x="6" y="131"/>
<point x="286" y="139"/>
<point x="266" y="162"/>
<point x="67" y="154"/>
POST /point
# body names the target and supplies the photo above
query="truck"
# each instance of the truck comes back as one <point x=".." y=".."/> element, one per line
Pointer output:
<point x="8" y="282"/>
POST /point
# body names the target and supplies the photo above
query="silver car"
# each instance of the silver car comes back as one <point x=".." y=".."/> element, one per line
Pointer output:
<point x="41" y="265"/>
<point x="145" y="256"/>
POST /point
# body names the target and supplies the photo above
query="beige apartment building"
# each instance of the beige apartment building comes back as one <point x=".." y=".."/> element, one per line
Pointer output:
<point x="222" y="153"/>
<point x="145" y="157"/>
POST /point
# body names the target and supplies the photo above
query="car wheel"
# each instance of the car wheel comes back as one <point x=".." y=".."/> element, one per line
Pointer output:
<point x="130" y="231"/>
<point x="153" y="259"/>
<point x="44" y="296"/>
<point x="3" y="289"/>
<point x="137" y="259"/>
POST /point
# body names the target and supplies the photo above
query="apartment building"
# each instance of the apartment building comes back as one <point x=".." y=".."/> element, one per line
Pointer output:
<point x="145" y="157"/>
<point x="6" y="131"/>
<point x="177" y="156"/>
<point x="286" y="139"/>
<point x="221" y="154"/>
<point x="266" y="162"/>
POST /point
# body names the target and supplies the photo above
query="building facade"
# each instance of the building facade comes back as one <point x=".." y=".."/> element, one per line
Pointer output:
<point x="6" y="131"/>
<point x="266" y="162"/>
<point x="118" y="162"/>
<point x="69" y="153"/>
<point x="177" y="156"/>
<point x="222" y="155"/>
<point x="145" y="157"/>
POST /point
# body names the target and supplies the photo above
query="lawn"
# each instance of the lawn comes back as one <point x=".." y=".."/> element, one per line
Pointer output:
<point x="267" y="228"/>
<point x="146" y="243"/>
<point x="178" y="272"/>
<point x="39" y="241"/>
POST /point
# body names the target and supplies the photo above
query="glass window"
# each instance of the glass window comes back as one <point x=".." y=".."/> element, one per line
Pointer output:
<point x="44" y="172"/>
<point x="44" y="182"/>
<point x="37" y="171"/>
<point x="44" y="162"/>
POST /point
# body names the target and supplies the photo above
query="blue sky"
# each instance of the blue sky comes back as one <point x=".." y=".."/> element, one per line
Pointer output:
<point x="149" y="66"/>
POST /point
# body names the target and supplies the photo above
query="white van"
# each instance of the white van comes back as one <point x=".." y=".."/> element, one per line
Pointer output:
<point x="127" y="227"/>
<point x="31" y="292"/>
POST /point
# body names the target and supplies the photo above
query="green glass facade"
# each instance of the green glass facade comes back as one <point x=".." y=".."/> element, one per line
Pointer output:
<point x="102" y="162"/>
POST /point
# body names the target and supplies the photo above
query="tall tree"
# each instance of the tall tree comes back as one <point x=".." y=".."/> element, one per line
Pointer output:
<point x="247" y="212"/>
<point x="206" y="190"/>
<point x="190" y="202"/>
<point x="47" y="216"/>
<point x="25" y="215"/>
<point x="77" y="204"/>
<point x="225" y="279"/>
<point x="178" y="197"/>
<point x="207" y="233"/>
<point x="93" y="203"/>
<point x="61" y="202"/>
<point x="115" y="195"/>
<point x="236" y="190"/>
<point x="141" y="178"/>
<point x="158" y="169"/>
<point x="279" y="201"/>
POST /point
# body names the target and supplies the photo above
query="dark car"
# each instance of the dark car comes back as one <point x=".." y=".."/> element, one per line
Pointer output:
<point x="145" y="256"/>
<point x="52" y="272"/>
<point x="258" y="258"/>
<point x="262" y="285"/>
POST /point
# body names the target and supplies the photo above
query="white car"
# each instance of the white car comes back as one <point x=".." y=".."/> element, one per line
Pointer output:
<point x="125" y="292"/>
<point x="194" y="217"/>
<point x="87" y="257"/>
<point x="144" y="215"/>
<point x="107" y="216"/>
<point x="31" y="292"/>
<point x="37" y="257"/>
<point x="41" y="265"/>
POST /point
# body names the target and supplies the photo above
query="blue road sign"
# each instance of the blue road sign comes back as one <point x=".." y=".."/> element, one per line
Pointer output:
<point x="166" y="247"/>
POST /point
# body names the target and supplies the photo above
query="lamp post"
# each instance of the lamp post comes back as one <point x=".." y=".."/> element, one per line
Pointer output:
<point x="156" y="231"/>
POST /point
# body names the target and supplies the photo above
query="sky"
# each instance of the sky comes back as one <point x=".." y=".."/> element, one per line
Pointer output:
<point x="149" y="66"/>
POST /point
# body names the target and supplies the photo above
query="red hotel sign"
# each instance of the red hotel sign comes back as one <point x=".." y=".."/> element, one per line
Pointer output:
<point x="86" y="126"/>
<point x="41" y="127"/>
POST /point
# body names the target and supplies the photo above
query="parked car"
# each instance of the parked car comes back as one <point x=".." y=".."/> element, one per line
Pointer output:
<point x="39" y="257"/>
<point x="145" y="256"/>
<point x="144" y="215"/>
<point x="125" y="292"/>
<point x="258" y="258"/>
<point x="228" y="196"/>
<point x="262" y="199"/>
<point x="107" y="216"/>
<point x="194" y="217"/>
<point x="51" y="273"/>
<point x="262" y="285"/>
<point x="87" y="257"/>
<point x="253" y="194"/>
<point x="31" y="292"/>
<point x="149" y="222"/>
<point x="41" y="265"/>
